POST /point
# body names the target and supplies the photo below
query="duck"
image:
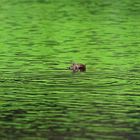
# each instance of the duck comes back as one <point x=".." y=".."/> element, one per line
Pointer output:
<point x="78" y="67"/>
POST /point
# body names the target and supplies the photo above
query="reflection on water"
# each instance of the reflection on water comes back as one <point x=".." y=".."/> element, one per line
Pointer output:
<point x="40" y="99"/>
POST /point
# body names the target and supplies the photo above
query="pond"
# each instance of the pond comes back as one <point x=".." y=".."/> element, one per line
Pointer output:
<point x="40" y="99"/>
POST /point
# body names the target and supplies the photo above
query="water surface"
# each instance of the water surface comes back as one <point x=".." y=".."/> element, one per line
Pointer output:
<point x="40" y="99"/>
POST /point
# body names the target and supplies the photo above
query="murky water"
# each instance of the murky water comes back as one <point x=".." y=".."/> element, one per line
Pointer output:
<point x="40" y="99"/>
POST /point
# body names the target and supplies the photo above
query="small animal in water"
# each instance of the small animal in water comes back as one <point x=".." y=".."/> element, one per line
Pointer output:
<point x="77" y="67"/>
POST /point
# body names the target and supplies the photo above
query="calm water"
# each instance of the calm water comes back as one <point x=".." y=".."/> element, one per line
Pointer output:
<point x="40" y="99"/>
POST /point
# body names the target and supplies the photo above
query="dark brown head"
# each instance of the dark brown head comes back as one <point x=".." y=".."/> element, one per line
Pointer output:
<point x="82" y="67"/>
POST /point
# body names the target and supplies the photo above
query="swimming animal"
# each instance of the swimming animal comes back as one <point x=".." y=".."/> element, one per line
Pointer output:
<point x="77" y="67"/>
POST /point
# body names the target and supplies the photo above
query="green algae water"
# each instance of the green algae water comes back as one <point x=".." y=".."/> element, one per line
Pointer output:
<point x="40" y="99"/>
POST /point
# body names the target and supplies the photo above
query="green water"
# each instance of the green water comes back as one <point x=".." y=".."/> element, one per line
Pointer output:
<point x="40" y="99"/>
